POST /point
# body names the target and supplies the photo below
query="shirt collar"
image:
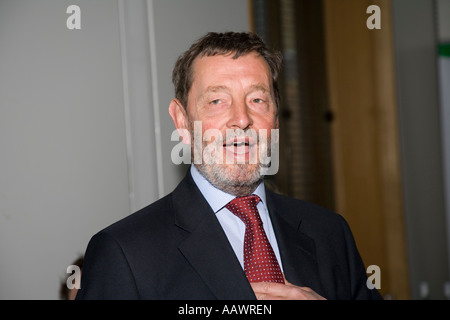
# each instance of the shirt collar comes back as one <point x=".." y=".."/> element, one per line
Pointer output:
<point x="217" y="198"/>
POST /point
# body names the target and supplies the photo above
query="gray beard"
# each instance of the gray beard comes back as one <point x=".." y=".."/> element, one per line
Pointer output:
<point x="236" y="187"/>
<point x="236" y="179"/>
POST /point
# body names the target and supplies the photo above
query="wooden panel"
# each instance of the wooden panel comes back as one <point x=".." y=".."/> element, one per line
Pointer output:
<point x="364" y="137"/>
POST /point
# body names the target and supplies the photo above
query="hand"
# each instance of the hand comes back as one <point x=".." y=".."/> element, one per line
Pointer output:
<point x="287" y="291"/>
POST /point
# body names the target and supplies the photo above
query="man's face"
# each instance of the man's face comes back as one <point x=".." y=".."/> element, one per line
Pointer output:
<point x="231" y="96"/>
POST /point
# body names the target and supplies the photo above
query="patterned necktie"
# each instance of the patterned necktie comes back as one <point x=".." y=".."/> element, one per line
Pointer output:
<point x="260" y="262"/>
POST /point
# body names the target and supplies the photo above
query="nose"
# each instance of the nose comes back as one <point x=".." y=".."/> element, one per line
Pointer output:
<point x="239" y="116"/>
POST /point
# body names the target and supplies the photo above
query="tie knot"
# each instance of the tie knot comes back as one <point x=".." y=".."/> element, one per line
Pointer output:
<point x="245" y="209"/>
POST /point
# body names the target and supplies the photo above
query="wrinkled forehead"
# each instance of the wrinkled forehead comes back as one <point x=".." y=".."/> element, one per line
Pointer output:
<point x="250" y="64"/>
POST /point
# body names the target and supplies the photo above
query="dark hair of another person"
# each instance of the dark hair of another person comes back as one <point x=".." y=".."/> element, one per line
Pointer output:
<point x="63" y="289"/>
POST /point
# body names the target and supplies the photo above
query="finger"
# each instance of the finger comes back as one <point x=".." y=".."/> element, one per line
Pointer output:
<point x="275" y="291"/>
<point x="265" y="287"/>
<point x="286" y="282"/>
<point x="270" y="290"/>
<point x="261" y="296"/>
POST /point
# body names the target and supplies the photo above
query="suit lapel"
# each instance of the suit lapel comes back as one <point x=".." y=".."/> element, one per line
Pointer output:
<point x="297" y="250"/>
<point x="208" y="251"/>
<point x="206" y="246"/>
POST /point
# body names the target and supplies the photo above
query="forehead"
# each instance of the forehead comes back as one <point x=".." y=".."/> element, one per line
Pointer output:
<point x="217" y="67"/>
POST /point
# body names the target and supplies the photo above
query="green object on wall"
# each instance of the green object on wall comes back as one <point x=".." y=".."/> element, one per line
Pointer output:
<point x="444" y="49"/>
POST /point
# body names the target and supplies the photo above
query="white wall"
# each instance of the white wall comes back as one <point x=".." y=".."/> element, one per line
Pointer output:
<point x="443" y="15"/>
<point x="63" y="169"/>
<point x="84" y="128"/>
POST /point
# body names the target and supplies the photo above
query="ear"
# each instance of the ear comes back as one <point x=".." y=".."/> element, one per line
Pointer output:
<point x="179" y="116"/>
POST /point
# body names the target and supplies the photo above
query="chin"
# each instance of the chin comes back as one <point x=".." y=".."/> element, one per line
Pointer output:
<point x="241" y="173"/>
<point x="225" y="176"/>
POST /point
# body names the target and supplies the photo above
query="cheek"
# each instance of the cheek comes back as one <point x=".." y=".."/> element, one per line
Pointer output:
<point x="213" y="126"/>
<point x="266" y="123"/>
<point x="210" y="132"/>
<point x="209" y="125"/>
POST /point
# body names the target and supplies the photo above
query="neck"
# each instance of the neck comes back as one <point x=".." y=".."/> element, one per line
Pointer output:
<point x="239" y="190"/>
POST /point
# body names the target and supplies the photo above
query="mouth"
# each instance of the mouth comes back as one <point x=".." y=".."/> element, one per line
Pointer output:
<point x="239" y="146"/>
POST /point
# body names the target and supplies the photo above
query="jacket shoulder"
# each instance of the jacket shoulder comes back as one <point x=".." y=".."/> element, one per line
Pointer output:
<point x="148" y="220"/>
<point x="288" y="206"/>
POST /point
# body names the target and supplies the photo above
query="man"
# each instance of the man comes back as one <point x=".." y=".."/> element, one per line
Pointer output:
<point x="196" y="243"/>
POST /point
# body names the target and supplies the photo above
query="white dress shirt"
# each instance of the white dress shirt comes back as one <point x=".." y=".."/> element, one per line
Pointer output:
<point x="233" y="226"/>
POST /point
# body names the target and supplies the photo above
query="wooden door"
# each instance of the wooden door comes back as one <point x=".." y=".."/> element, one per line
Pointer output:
<point x="364" y="134"/>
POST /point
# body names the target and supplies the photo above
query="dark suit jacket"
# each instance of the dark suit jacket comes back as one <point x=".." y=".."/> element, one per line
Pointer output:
<point x="175" y="248"/>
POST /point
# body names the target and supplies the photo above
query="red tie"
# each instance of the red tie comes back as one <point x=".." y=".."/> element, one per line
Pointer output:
<point x="260" y="262"/>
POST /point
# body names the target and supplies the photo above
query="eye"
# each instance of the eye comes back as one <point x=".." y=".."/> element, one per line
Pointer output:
<point x="258" y="100"/>
<point x="216" y="101"/>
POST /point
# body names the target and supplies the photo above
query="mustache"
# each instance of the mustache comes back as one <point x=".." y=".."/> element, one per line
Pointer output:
<point x="233" y="136"/>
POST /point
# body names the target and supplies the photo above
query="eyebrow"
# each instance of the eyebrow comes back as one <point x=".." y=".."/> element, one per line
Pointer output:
<point x="215" y="89"/>
<point x="255" y="87"/>
<point x="259" y="87"/>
